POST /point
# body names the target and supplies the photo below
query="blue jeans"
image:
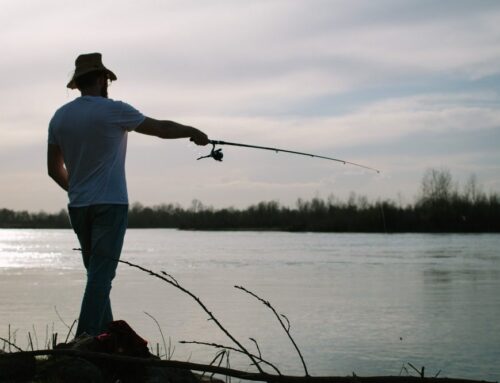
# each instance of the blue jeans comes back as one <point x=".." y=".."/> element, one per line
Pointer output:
<point x="100" y="230"/>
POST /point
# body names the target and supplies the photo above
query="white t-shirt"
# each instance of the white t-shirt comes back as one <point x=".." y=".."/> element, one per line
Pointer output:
<point x="92" y="134"/>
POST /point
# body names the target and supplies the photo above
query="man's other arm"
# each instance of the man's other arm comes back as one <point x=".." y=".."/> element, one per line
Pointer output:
<point x="171" y="129"/>
<point x="55" y="166"/>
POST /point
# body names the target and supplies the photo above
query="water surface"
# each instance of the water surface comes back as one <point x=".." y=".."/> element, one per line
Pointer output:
<point x="363" y="303"/>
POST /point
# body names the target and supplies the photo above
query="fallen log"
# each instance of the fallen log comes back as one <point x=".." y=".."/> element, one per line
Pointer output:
<point x="262" y="377"/>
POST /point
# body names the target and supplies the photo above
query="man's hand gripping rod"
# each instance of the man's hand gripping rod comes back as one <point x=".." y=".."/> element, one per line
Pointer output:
<point x="217" y="155"/>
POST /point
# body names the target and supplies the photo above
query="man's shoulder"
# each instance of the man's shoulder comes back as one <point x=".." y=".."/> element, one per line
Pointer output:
<point x="110" y="103"/>
<point x="61" y="111"/>
<point x="102" y="108"/>
<point x="66" y="105"/>
<point x="95" y="100"/>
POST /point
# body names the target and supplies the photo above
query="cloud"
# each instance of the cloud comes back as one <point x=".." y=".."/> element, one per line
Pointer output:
<point x="380" y="121"/>
<point x="357" y="80"/>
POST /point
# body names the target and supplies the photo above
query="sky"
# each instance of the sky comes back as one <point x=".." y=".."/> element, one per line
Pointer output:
<point x="399" y="85"/>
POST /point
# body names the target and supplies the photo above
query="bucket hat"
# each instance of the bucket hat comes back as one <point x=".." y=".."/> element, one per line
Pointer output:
<point x="86" y="63"/>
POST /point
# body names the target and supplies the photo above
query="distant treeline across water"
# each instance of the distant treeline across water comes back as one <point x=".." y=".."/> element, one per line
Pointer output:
<point x="441" y="207"/>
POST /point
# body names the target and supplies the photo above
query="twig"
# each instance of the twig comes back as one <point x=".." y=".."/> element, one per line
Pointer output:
<point x="60" y="317"/>
<point x="161" y="332"/>
<point x="289" y="326"/>
<point x="47" y="341"/>
<point x="232" y="349"/>
<point x="54" y="340"/>
<point x="170" y="276"/>
<point x="172" y="281"/>
<point x="217" y="356"/>
<point x="70" y="330"/>
<point x="12" y="338"/>
<point x="11" y="344"/>
<point x="285" y="327"/>
<point x="420" y="372"/>
<point x="30" y="341"/>
<point x="228" y="365"/>
<point x="257" y="347"/>
<point x="171" y="350"/>
<point x="36" y="336"/>
<point x="403" y="368"/>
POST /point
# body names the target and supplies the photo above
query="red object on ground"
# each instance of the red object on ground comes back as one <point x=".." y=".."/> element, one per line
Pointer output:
<point x="122" y="339"/>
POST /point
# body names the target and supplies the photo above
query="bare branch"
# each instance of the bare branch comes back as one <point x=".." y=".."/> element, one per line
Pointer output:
<point x="60" y="317"/>
<point x="11" y="344"/>
<point x="219" y="355"/>
<point x="257" y="346"/>
<point x="420" y="372"/>
<point x="36" y="336"/>
<point x="70" y="330"/>
<point x="167" y="278"/>
<point x="289" y="326"/>
<point x="286" y="328"/>
<point x="171" y="277"/>
<point x="30" y="341"/>
<point x="259" y="358"/>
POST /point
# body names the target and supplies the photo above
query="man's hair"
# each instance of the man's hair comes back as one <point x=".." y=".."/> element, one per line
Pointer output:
<point x="88" y="79"/>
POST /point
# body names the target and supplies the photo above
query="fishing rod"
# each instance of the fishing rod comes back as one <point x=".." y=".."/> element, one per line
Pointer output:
<point x="217" y="154"/>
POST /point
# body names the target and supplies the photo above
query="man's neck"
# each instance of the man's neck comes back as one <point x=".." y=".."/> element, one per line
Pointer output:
<point x="94" y="90"/>
<point x="90" y="93"/>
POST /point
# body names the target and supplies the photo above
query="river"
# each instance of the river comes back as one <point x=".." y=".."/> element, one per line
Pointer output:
<point x="363" y="303"/>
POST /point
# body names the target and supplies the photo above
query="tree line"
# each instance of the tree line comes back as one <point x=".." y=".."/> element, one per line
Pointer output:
<point x="442" y="206"/>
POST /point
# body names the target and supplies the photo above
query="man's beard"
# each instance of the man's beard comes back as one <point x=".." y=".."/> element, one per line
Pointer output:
<point x="104" y="91"/>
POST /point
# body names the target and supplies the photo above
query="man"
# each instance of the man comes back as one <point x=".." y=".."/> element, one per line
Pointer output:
<point x="87" y="144"/>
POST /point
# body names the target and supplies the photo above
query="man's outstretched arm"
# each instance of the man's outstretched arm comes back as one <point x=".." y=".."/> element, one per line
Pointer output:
<point x="55" y="166"/>
<point x="171" y="129"/>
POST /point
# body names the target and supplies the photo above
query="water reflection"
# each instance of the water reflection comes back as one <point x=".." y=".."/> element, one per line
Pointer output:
<point x="443" y="276"/>
<point x="436" y="276"/>
<point x="350" y="297"/>
<point x="36" y="249"/>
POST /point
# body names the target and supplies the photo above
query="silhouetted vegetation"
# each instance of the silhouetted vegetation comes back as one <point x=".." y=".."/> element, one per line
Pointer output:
<point x="440" y="207"/>
<point x="41" y="220"/>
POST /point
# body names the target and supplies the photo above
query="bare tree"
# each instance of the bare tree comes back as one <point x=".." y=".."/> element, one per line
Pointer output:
<point x="437" y="185"/>
<point x="472" y="190"/>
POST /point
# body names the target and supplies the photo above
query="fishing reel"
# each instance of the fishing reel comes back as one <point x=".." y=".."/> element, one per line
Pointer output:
<point x="216" y="154"/>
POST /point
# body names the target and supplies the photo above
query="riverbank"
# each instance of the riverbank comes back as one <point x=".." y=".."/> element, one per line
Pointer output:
<point x="454" y="215"/>
<point x="75" y="367"/>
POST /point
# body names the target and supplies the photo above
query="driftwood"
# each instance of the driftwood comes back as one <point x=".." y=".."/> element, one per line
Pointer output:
<point x="262" y="377"/>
